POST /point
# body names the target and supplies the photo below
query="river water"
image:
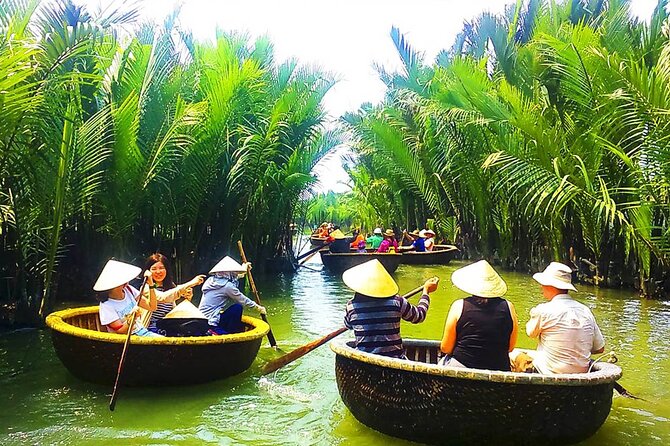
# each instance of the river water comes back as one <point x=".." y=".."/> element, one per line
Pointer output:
<point x="41" y="403"/>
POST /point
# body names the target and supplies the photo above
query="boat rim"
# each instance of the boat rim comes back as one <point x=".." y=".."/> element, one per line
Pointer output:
<point x="56" y="322"/>
<point x="604" y="372"/>
<point x="363" y="254"/>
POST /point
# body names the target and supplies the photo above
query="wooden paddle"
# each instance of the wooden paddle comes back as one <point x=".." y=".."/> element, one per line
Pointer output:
<point x="271" y="336"/>
<point x="122" y="361"/>
<point x="311" y="252"/>
<point x="302" y="351"/>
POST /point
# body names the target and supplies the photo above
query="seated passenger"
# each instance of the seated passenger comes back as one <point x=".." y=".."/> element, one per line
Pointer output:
<point x="166" y="290"/>
<point x="418" y="241"/>
<point x="375" y="239"/>
<point x="358" y="237"/>
<point x="566" y="330"/>
<point x="389" y="244"/>
<point x="338" y="242"/>
<point x="481" y="329"/>
<point x="222" y="300"/>
<point x="429" y="242"/>
<point x="119" y="300"/>
<point x="375" y="311"/>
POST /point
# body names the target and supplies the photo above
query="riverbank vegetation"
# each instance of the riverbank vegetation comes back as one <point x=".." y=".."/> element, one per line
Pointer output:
<point x="543" y="133"/>
<point x="119" y="138"/>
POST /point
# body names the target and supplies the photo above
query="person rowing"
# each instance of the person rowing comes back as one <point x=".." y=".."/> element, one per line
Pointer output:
<point x="119" y="300"/>
<point x="375" y="311"/>
<point x="222" y="301"/>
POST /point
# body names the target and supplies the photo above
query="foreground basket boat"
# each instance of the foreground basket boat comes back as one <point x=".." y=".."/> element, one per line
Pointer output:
<point x="421" y="401"/>
<point x="92" y="354"/>
<point x="338" y="262"/>
<point x="440" y="255"/>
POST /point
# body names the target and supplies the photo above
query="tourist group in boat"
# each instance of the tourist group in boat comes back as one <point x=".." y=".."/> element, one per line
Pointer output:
<point x="221" y="304"/>
<point x="379" y="241"/>
<point x="480" y="330"/>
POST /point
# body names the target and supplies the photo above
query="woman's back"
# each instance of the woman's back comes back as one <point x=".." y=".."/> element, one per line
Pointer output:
<point x="483" y="334"/>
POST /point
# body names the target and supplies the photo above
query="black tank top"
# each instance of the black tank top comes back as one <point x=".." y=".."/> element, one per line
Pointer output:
<point x="482" y="334"/>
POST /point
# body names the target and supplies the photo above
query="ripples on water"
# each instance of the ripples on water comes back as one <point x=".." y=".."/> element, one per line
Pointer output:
<point x="299" y="405"/>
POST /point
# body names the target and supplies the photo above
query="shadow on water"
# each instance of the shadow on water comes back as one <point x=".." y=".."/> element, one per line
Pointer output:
<point x="43" y="404"/>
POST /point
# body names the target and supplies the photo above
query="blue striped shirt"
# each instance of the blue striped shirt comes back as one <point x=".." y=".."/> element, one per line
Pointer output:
<point x="376" y="322"/>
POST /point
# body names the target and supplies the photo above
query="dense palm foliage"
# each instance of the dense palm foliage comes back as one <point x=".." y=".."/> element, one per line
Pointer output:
<point x="540" y="130"/>
<point x="119" y="139"/>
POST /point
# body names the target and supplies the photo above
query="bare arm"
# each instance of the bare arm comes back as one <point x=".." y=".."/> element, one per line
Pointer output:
<point x="449" y="338"/>
<point x="515" y="327"/>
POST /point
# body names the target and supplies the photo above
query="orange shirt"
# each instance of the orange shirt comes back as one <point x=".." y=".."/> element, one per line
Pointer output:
<point x="358" y="238"/>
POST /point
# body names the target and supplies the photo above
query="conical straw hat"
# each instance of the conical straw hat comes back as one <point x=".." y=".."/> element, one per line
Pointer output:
<point x="479" y="279"/>
<point x="371" y="279"/>
<point x="114" y="274"/>
<point x="227" y="265"/>
<point x="185" y="310"/>
<point x="337" y="234"/>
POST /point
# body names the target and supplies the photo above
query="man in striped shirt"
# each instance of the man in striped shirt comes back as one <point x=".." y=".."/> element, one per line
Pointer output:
<point x="376" y="309"/>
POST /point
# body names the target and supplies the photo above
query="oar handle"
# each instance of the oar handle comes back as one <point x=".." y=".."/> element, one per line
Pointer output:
<point x="271" y="336"/>
<point x="312" y="251"/>
<point x="122" y="361"/>
<point x="302" y="351"/>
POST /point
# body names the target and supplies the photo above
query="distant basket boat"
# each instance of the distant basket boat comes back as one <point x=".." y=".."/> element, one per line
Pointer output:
<point x="92" y="354"/>
<point x="440" y="255"/>
<point x="338" y="262"/>
<point x="421" y="401"/>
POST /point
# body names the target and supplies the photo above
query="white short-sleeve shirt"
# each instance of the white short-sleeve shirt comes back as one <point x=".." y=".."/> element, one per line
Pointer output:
<point x="112" y="309"/>
<point x="567" y="333"/>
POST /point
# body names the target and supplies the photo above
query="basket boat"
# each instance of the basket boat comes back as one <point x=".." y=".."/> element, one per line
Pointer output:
<point x="92" y="354"/>
<point x="440" y="255"/>
<point x="421" y="401"/>
<point x="317" y="241"/>
<point x="338" y="262"/>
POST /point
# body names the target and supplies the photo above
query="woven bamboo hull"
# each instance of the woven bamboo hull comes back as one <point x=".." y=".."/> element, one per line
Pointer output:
<point x="441" y="255"/>
<point x="93" y="355"/>
<point x="447" y="406"/>
<point x="341" y="262"/>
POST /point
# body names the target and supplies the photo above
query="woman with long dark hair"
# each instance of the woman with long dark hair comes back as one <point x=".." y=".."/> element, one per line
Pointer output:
<point x="166" y="290"/>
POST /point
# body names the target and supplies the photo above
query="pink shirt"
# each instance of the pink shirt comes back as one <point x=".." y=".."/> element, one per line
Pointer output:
<point x="567" y="333"/>
<point x="386" y="244"/>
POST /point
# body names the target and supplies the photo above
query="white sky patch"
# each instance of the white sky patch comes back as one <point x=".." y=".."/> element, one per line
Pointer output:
<point x="344" y="37"/>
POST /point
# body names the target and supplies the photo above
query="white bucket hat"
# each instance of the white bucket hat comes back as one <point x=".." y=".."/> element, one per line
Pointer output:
<point x="185" y="310"/>
<point x="557" y="275"/>
<point x="479" y="279"/>
<point x="378" y="231"/>
<point x="114" y="274"/>
<point x="227" y="265"/>
<point x="371" y="279"/>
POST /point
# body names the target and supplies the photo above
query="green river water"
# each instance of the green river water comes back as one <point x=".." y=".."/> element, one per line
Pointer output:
<point x="41" y="403"/>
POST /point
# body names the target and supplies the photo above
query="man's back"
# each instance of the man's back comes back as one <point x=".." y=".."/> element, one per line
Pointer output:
<point x="567" y="333"/>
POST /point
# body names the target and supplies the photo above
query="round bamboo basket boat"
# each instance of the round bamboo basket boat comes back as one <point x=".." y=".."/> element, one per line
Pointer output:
<point x="421" y="401"/>
<point x="440" y="255"/>
<point x="92" y="354"/>
<point x="338" y="262"/>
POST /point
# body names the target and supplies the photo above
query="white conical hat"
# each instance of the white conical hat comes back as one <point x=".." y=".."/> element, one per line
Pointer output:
<point x="185" y="310"/>
<point x="115" y="273"/>
<point x="228" y="265"/>
<point x="337" y="234"/>
<point x="371" y="279"/>
<point x="479" y="279"/>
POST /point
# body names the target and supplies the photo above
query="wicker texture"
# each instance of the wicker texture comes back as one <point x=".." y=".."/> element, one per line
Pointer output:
<point x="447" y="406"/>
<point x="342" y="262"/>
<point x="94" y="355"/>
